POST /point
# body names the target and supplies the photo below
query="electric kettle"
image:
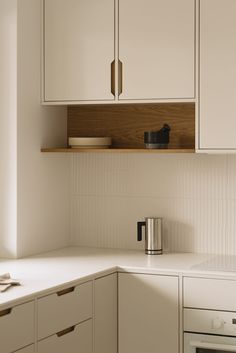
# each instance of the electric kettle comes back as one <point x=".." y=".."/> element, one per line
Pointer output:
<point x="153" y="235"/>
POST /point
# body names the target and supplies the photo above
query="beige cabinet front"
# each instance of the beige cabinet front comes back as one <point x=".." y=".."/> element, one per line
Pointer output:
<point x="157" y="49"/>
<point x="17" y="327"/>
<point x="78" y="339"/>
<point x="64" y="309"/>
<point x="148" y="313"/>
<point x="217" y="115"/>
<point x="105" y="314"/>
<point x="29" y="349"/>
<point x="78" y="50"/>
<point x="200" y="293"/>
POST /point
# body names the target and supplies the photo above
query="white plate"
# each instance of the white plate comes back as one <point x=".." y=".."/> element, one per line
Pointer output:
<point x="89" y="142"/>
<point x="92" y="147"/>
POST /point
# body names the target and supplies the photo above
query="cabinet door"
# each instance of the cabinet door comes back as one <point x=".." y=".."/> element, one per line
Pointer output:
<point x="156" y="47"/>
<point x="78" y="49"/>
<point x="105" y="314"/>
<point x="217" y="74"/>
<point x="148" y="314"/>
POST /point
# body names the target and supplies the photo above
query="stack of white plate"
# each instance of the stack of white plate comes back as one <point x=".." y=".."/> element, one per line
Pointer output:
<point x="89" y="142"/>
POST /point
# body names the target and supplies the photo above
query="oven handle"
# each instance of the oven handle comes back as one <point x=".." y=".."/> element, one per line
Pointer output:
<point x="214" y="346"/>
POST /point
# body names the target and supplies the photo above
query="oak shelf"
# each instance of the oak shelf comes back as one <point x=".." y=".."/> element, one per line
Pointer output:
<point x="126" y="125"/>
<point x="116" y="150"/>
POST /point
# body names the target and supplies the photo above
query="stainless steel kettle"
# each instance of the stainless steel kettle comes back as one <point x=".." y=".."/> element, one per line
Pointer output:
<point x="153" y="235"/>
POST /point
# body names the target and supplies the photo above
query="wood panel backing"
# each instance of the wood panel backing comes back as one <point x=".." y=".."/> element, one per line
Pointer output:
<point x="126" y="123"/>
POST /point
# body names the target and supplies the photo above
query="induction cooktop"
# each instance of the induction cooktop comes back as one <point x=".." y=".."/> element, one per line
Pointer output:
<point x="221" y="263"/>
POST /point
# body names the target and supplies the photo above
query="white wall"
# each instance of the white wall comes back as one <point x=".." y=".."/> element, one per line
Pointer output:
<point x="8" y="126"/>
<point x="34" y="187"/>
<point x="42" y="180"/>
<point x="196" y="195"/>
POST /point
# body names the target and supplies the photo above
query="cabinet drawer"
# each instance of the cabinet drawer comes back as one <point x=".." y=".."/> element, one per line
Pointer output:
<point x="29" y="349"/>
<point x="79" y="340"/>
<point x="16" y="327"/>
<point x="210" y="294"/>
<point x="64" y="309"/>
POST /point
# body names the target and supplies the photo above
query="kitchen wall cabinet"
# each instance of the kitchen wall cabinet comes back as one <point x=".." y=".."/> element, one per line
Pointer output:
<point x="105" y="314"/>
<point x="157" y="48"/>
<point x="112" y="51"/>
<point x="217" y="117"/>
<point x="148" y="313"/>
<point x="78" y="50"/>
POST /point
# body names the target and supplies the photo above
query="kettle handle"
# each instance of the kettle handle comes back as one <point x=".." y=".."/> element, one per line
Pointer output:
<point x="139" y="230"/>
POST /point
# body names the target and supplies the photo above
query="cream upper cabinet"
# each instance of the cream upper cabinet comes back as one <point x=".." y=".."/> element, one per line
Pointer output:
<point x="157" y="49"/>
<point x="148" y="313"/>
<point x="78" y="50"/>
<point x="217" y="115"/>
<point x="110" y="50"/>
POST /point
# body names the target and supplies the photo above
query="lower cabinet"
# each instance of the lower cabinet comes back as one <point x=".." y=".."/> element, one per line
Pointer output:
<point x="65" y="308"/>
<point x="105" y="314"/>
<point x="74" y="340"/>
<point x="29" y="349"/>
<point x="148" y="313"/>
<point x="17" y="327"/>
<point x="117" y="313"/>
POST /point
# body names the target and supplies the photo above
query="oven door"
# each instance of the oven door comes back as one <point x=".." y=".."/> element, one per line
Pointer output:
<point x="197" y="343"/>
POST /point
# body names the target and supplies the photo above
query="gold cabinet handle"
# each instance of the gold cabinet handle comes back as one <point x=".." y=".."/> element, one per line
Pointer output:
<point x="65" y="291"/>
<point x="66" y="331"/>
<point x="113" y="78"/>
<point x="120" y="77"/>
<point x="5" y="312"/>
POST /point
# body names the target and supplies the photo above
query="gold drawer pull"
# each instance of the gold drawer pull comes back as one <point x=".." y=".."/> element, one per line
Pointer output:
<point x="65" y="291"/>
<point x="5" y="312"/>
<point x="113" y="80"/>
<point x="120" y="78"/>
<point x="66" y="331"/>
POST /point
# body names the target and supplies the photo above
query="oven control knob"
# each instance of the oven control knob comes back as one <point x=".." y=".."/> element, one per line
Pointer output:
<point x="217" y="323"/>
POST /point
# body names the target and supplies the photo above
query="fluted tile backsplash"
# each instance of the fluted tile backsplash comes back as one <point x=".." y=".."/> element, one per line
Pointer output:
<point x="195" y="194"/>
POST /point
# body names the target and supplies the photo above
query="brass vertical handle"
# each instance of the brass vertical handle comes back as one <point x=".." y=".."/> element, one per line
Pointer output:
<point x="120" y="77"/>
<point x="113" y="80"/>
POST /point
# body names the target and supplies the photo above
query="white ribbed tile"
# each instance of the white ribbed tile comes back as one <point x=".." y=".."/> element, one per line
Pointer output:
<point x="231" y="192"/>
<point x="230" y="238"/>
<point x="150" y="175"/>
<point x="194" y="193"/>
<point x="110" y="221"/>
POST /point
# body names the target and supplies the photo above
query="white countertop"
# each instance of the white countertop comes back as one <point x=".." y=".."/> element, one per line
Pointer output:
<point x="43" y="273"/>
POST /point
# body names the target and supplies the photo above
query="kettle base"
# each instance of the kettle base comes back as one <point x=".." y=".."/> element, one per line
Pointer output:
<point x="153" y="252"/>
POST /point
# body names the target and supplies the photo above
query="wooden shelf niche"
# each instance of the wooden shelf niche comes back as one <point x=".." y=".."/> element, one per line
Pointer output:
<point x="126" y="123"/>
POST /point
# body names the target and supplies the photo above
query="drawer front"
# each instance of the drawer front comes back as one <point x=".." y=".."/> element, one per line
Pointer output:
<point x="29" y="349"/>
<point x="213" y="294"/>
<point x="64" y="309"/>
<point x="210" y="322"/>
<point x="16" y="327"/>
<point x="79" y="340"/>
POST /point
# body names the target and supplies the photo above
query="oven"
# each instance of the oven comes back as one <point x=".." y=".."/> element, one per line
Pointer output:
<point x="208" y="331"/>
